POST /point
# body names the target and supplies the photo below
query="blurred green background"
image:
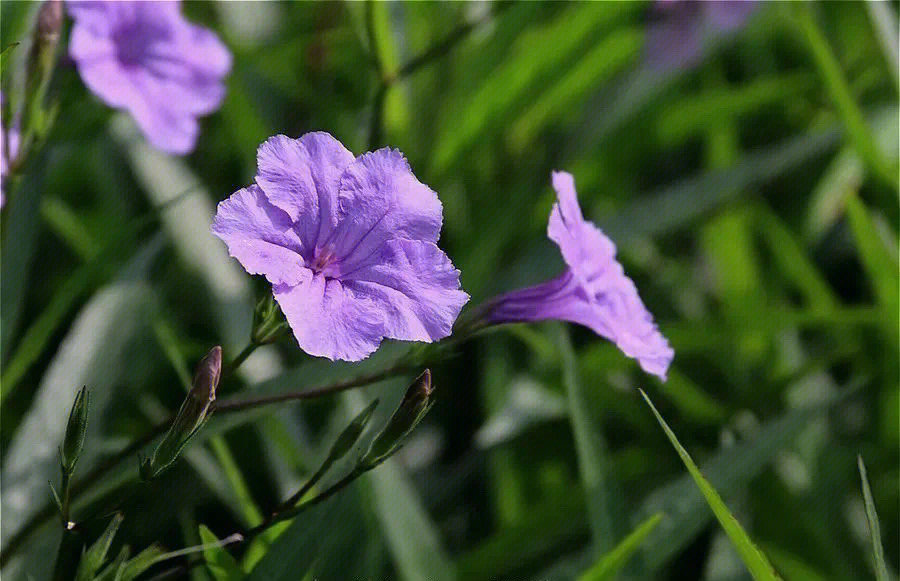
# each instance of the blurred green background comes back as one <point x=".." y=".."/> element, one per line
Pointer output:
<point x="753" y="198"/>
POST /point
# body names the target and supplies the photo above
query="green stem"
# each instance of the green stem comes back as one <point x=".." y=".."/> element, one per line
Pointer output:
<point x="241" y="357"/>
<point x="854" y="122"/>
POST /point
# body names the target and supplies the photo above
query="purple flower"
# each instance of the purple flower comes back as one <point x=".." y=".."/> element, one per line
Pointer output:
<point x="593" y="291"/>
<point x="9" y="150"/>
<point x="144" y="57"/>
<point x="677" y="39"/>
<point x="349" y="245"/>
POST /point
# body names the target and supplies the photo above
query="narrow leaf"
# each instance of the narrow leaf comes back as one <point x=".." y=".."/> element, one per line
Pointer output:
<point x="94" y="557"/>
<point x="881" y="572"/>
<point x="222" y="566"/>
<point x="612" y="562"/>
<point x="753" y="558"/>
<point x="593" y="463"/>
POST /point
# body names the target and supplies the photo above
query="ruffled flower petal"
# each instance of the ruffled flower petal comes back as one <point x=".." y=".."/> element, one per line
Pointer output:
<point x="260" y="236"/>
<point x="302" y="177"/>
<point x="380" y="199"/>
<point x="415" y="286"/>
<point x="330" y="319"/>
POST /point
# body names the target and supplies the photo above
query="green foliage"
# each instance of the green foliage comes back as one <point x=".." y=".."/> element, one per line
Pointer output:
<point x="752" y="198"/>
<point x="611" y="563"/>
<point x="753" y="558"/>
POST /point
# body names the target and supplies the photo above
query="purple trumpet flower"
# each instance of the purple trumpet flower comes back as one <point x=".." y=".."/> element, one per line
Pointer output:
<point x="593" y="290"/>
<point x="676" y="40"/>
<point x="146" y="58"/>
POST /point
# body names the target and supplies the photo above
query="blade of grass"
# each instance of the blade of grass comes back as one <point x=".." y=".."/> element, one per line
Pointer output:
<point x="593" y="461"/>
<point x="829" y="69"/>
<point x="612" y="562"/>
<point x="753" y="558"/>
<point x="881" y="572"/>
<point x="92" y="353"/>
<point x="19" y="240"/>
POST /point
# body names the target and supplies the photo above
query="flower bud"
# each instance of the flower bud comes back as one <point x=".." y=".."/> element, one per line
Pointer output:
<point x="76" y="428"/>
<point x="43" y="48"/>
<point x="49" y="21"/>
<point x="192" y="415"/>
<point x="416" y="403"/>
<point x="268" y="323"/>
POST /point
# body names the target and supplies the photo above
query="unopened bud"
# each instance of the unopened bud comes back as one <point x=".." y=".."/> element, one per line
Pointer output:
<point x="76" y="428"/>
<point x="41" y="61"/>
<point x="192" y="415"/>
<point x="416" y="403"/>
<point x="268" y="323"/>
<point x="49" y="21"/>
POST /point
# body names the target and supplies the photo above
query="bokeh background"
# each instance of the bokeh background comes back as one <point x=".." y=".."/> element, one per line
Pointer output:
<point x="748" y="203"/>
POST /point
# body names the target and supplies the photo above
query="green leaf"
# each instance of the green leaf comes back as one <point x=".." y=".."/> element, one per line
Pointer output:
<point x="93" y="352"/>
<point x="95" y="556"/>
<point x="836" y="83"/>
<point x="222" y="566"/>
<point x="753" y="558"/>
<point x="612" y="562"/>
<point x="35" y="339"/>
<point x="140" y="563"/>
<point x="593" y="461"/>
<point x="528" y="68"/>
<point x="679" y="205"/>
<point x="729" y="470"/>
<point x="607" y="58"/>
<point x="412" y="537"/>
<point x="881" y="571"/>
<point x="876" y="259"/>
<point x="295" y="550"/>
<point x="697" y="113"/>
<point x="20" y="234"/>
<point x="116" y="568"/>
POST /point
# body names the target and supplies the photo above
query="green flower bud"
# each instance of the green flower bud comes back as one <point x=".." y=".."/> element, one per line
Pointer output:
<point x="268" y="323"/>
<point x="42" y="59"/>
<point x="76" y="428"/>
<point x="416" y="403"/>
<point x="192" y="415"/>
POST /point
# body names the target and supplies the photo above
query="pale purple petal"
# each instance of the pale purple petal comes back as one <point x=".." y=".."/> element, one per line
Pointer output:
<point x="415" y="286"/>
<point x="260" y="236"/>
<point x="361" y="264"/>
<point x="676" y="39"/>
<point x="144" y="57"/>
<point x="728" y="15"/>
<point x="584" y="247"/>
<point x="329" y="319"/>
<point x="593" y="291"/>
<point x="302" y="177"/>
<point x="380" y="199"/>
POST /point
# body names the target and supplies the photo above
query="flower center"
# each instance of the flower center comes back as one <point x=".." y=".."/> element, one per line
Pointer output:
<point x="324" y="257"/>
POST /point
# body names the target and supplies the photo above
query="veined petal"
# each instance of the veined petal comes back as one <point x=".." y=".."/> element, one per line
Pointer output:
<point x="329" y="319"/>
<point x="416" y="287"/>
<point x="380" y="199"/>
<point x="302" y="177"/>
<point x="260" y="236"/>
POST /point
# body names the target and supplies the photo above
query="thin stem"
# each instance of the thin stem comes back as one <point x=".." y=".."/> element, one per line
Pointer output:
<point x="855" y="124"/>
<point x="373" y="42"/>
<point x="236" y="404"/>
<point x="447" y="44"/>
<point x="241" y="357"/>
<point x="224" y="407"/>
